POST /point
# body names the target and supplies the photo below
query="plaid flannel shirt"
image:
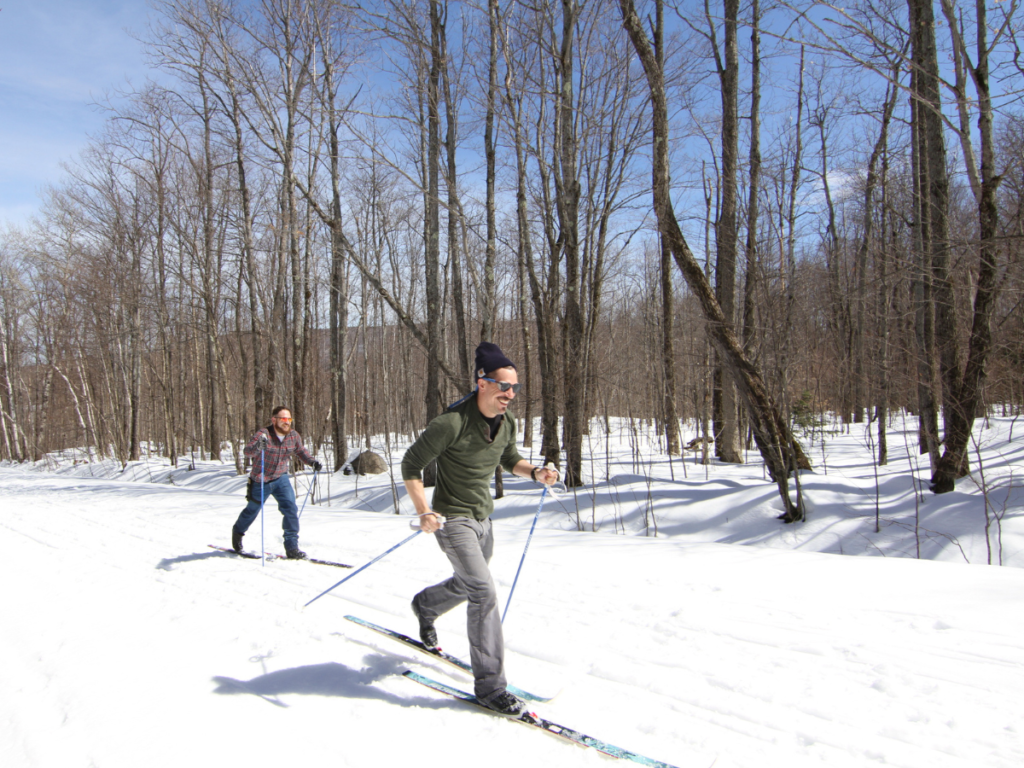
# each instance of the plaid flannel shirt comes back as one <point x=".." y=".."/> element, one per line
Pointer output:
<point x="276" y="456"/>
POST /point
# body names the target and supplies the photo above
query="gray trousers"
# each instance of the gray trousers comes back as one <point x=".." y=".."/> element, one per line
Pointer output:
<point x="468" y="543"/>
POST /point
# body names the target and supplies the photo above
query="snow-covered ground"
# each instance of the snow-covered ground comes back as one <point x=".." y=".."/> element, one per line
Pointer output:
<point x="727" y="639"/>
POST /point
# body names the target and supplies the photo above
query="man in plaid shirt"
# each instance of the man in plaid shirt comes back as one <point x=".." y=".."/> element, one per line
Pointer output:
<point x="270" y="450"/>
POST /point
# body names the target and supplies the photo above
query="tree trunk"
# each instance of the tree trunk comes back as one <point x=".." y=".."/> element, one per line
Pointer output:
<point x="432" y="225"/>
<point x="668" y="360"/>
<point x="967" y="394"/>
<point x="728" y="446"/>
<point x="489" y="302"/>
<point x="753" y="209"/>
<point x="454" y="204"/>
<point x="567" y="192"/>
<point x="543" y="296"/>
<point x="930" y="214"/>
<point x="880" y="152"/>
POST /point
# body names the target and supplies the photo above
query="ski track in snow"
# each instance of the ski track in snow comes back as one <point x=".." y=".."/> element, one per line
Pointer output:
<point x="728" y="640"/>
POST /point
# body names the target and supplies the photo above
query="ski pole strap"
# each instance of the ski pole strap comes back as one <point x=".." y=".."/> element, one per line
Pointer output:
<point x="553" y="487"/>
<point x="364" y="567"/>
<point x="523" y="558"/>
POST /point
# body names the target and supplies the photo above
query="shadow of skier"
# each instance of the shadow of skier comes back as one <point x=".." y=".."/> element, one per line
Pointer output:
<point x="328" y="679"/>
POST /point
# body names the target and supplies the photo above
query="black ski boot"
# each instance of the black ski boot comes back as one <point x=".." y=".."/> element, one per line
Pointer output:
<point x="506" y="705"/>
<point x="236" y="540"/>
<point x="294" y="553"/>
<point x="428" y="635"/>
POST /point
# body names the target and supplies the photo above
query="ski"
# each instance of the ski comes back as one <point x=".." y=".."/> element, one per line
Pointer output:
<point x="531" y="719"/>
<point x="247" y="555"/>
<point x="272" y="556"/>
<point x="437" y="653"/>
<point x="318" y="561"/>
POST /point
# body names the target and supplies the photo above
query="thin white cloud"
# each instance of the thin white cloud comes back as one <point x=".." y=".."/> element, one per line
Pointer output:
<point x="17" y="215"/>
<point x="57" y="59"/>
<point x="68" y="49"/>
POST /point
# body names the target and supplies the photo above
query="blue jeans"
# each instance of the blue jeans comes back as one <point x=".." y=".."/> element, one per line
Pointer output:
<point x="281" y="489"/>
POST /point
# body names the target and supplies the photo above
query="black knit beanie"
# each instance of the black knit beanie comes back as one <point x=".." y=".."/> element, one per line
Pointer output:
<point x="489" y="357"/>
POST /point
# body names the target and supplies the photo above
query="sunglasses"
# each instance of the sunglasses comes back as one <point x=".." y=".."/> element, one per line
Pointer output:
<point x="505" y="386"/>
<point x="281" y="418"/>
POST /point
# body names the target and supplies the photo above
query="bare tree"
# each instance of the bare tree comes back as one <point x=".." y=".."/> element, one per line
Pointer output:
<point x="964" y="395"/>
<point x="15" y="444"/>
<point x="727" y="437"/>
<point x="781" y="452"/>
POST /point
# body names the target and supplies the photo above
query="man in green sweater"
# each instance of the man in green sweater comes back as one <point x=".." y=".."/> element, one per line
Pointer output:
<point x="469" y="441"/>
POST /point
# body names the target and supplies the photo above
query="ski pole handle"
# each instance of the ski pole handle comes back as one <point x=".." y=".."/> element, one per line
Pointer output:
<point x="558" y="487"/>
<point x="415" y="524"/>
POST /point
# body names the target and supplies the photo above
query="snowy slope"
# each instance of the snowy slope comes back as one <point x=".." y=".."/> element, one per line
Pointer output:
<point x="728" y="639"/>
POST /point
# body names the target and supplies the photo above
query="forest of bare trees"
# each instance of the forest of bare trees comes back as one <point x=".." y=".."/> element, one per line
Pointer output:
<point x="723" y="218"/>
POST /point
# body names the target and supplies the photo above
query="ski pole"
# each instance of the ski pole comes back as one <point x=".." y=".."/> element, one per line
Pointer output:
<point x="364" y="567"/>
<point x="307" y="493"/>
<point x="263" y="503"/>
<point x="525" y="550"/>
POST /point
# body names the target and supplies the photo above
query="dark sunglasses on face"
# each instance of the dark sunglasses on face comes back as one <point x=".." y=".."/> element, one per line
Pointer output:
<point x="505" y="386"/>
<point x="280" y="418"/>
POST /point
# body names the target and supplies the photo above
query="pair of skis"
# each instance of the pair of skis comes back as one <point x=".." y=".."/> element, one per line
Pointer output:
<point x="437" y="653"/>
<point x="527" y="718"/>
<point x="273" y="556"/>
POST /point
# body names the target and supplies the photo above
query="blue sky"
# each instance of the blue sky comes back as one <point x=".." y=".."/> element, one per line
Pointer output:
<point x="57" y="59"/>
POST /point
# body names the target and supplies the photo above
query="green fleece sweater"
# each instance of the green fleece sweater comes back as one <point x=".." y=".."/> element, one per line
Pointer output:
<point x="466" y="459"/>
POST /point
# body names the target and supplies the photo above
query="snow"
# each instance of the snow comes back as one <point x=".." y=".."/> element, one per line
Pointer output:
<point x="728" y="639"/>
